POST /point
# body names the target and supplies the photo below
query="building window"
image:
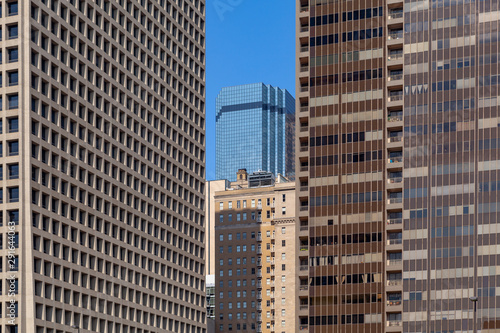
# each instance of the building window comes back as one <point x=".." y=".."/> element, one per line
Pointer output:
<point x="221" y="205"/>
<point x="12" y="8"/>
<point x="283" y="243"/>
<point x="238" y="217"/>
<point x="283" y="267"/>
<point x="13" y="194"/>
<point x="238" y="204"/>
<point x="13" y="171"/>
<point x="283" y="256"/>
<point x="12" y="31"/>
<point x="12" y="55"/>
<point x="284" y="197"/>
<point x="221" y="218"/>
<point x="230" y="236"/>
<point x="221" y="237"/>
<point x="12" y="102"/>
<point x="244" y="216"/>
<point x="283" y="210"/>
<point x="13" y="125"/>
<point x="244" y="204"/>
<point x="283" y="230"/>
<point x="230" y="205"/>
<point x="230" y="217"/>
<point x="13" y="148"/>
<point x="253" y="203"/>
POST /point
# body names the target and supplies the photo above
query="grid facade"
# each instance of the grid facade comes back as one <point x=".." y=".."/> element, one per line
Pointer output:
<point x="255" y="270"/>
<point x="397" y="163"/>
<point x="255" y="130"/>
<point x="104" y="166"/>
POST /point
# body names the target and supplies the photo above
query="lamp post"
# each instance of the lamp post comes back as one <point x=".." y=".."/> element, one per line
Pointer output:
<point x="474" y="300"/>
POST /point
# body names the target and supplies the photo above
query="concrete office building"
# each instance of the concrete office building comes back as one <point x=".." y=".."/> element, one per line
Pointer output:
<point x="255" y="130"/>
<point x="102" y="166"/>
<point x="255" y="276"/>
<point x="397" y="165"/>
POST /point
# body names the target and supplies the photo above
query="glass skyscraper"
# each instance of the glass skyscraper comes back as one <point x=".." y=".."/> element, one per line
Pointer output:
<point x="255" y="125"/>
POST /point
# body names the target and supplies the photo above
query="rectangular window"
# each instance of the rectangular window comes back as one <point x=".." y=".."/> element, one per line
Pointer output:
<point x="12" y="102"/>
<point x="12" y="31"/>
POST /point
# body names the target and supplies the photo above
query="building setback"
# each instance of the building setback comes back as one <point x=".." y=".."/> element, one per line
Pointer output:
<point x="103" y="152"/>
<point x="255" y="259"/>
<point x="255" y="130"/>
<point x="397" y="165"/>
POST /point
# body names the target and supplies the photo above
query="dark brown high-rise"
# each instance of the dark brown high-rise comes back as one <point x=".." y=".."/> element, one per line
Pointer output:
<point x="397" y="163"/>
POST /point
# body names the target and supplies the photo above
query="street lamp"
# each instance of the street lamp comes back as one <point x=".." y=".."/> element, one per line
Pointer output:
<point x="76" y="327"/>
<point x="474" y="300"/>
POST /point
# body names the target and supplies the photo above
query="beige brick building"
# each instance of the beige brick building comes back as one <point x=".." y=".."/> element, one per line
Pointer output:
<point x="102" y="219"/>
<point x="255" y="254"/>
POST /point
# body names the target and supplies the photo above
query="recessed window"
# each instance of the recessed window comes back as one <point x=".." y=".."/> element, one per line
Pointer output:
<point x="12" y="55"/>
<point x="13" y="216"/>
<point x="12" y="31"/>
<point x="13" y="148"/>
<point x="12" y="102"/>
<point x="12" y="8"/>
<point x="13" y="171"/>
<point x="12" y="78"/>
<point x="13" y="125"/>
<point x="13" y="194"/>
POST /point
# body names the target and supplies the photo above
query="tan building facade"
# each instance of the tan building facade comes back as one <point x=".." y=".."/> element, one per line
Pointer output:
<point x="398" y="163"/>
<point x="102" y="199"/>
<point x="255" y="256"/>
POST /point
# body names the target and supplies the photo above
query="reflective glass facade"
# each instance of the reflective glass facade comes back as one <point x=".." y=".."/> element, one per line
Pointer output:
<point x="397" y="165"/>
<point x="255" y="126"/>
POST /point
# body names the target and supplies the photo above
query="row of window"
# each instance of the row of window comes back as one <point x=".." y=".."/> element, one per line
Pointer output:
<point x="347" y="158"/>
<point x="346" y="239"/>
<point x="346" y="77"/>
<point x="243" y="203"/>
<point x="345" y="279"/>
<point x="334" y="139"/>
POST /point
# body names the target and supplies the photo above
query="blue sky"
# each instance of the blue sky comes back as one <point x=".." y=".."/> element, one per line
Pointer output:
<point x="247" y="41"/>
